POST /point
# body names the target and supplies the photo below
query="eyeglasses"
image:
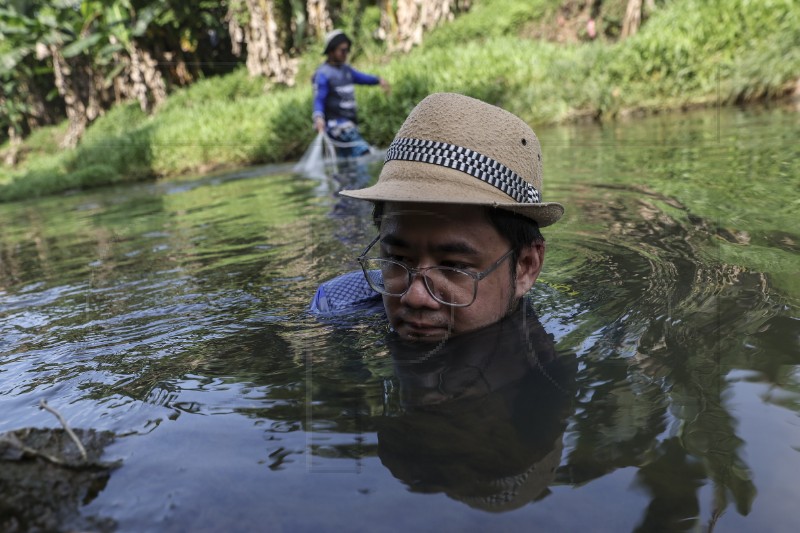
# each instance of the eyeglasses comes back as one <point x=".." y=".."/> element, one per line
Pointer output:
<point x="447" y="285"/>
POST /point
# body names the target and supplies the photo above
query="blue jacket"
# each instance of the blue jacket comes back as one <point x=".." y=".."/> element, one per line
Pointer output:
<point x="345" y="294"/>
<point x="334" y="91"/>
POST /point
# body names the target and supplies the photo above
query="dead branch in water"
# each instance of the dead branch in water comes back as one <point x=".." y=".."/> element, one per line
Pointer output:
<point x="43" y="404"/>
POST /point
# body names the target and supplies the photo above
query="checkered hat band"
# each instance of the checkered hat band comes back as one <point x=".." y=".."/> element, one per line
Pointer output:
<point x="465" y="160"/>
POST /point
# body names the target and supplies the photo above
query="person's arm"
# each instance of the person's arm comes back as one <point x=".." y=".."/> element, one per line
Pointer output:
<point x="320" y="94"/>
<point x="361" y="78"/>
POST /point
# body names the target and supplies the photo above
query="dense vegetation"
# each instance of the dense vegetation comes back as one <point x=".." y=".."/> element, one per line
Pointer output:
<point x="688" y="52"/>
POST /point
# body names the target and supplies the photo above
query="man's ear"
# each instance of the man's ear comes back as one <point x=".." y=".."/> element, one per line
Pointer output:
<point x="529" y="264"/>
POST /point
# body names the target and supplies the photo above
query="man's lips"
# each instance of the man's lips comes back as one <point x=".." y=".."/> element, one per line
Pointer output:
<point x="420" y="329"/>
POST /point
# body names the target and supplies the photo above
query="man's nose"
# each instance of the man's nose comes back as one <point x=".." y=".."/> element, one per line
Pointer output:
<point x="417" y="295"/>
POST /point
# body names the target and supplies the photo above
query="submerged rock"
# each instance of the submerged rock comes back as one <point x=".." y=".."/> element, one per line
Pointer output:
<point x="44" y="479"/>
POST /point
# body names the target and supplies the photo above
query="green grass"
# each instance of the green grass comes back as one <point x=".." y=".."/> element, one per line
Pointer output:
<point x="689" y="52"/>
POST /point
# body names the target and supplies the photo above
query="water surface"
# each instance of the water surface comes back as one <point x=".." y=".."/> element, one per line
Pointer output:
<point x="174" y="315"/>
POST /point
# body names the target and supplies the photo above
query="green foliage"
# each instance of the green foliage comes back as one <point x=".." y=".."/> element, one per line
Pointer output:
<point x="697" y="48"/>
<point x="489" y="19"/>
<point x="93" y="175"/>
<point x="234" y="86"/>
<point x="45" y="140"/>
<point x="120" y="120"/>
<point x="687" y="52"/>
<point x="360" y="23"/>
<point x="20" y="31"/>
<point x="120" y="142"/>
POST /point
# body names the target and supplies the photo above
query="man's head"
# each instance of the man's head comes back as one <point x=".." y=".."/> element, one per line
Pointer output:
<point x="337" y="47"/>
<point x="471" y="274"/>
<point x="461" y="189"/>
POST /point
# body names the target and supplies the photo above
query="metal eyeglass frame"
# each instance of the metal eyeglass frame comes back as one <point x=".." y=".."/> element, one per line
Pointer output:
<point x="413" y="272"/>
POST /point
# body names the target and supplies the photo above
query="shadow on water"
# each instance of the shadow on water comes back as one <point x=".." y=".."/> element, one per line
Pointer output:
<point x="174" y="316"/>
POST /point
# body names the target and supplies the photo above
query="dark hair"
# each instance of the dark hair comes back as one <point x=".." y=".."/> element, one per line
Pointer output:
<point x="518" y="230"/>
<point x="336" y="41"/>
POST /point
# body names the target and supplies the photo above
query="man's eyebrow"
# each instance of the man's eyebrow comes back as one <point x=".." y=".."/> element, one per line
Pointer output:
<point x="393" y="240"/>
<point x="456" y="247"/>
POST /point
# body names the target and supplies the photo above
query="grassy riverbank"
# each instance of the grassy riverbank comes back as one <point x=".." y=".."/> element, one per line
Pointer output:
<point x="688" y="53"/>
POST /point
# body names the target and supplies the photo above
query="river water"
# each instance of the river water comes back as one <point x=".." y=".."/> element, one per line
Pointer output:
<point x="174" y="315"/>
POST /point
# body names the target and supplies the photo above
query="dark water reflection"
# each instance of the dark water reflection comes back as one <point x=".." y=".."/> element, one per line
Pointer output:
<point x="174" y="316"/>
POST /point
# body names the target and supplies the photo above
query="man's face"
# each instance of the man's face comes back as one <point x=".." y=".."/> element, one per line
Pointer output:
<point x="424" y="235"/>
<point x="338" y="56"/>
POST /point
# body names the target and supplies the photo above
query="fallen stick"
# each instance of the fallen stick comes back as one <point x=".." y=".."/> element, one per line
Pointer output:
<point x="43" y="404"/>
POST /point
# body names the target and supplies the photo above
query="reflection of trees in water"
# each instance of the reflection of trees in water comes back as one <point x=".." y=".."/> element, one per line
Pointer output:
<point x="653" y="391"/>
<point x="63" y="241"/>
<point x="133" y="290"/>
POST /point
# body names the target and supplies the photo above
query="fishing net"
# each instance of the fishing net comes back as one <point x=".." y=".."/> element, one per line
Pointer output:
<point x="319" y="161"/>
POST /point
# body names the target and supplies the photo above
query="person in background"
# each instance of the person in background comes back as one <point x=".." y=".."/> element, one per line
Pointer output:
<point x="335" y="112"/>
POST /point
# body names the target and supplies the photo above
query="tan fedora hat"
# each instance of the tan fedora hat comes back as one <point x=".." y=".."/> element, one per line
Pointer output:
<point x="453" y="149"/>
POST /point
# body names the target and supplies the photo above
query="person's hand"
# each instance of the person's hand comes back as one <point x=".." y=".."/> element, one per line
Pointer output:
<point x="387" y="89"/>
<point x="319" y="124"/>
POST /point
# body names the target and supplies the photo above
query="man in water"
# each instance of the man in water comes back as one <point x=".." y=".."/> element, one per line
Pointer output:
<point x="335" y="97"/>
<point x="483" y="396"/>
<point x="458" y="208"/>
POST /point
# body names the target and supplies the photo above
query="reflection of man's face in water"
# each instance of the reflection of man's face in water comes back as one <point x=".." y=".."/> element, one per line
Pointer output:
<point x="482" y="419"/>
<point x="461" y="236"/>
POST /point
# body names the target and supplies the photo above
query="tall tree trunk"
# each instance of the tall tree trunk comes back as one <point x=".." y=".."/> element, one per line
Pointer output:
<point x="235" y="29"/>
<point x="319" y="19"/>
<point x="388" y="25"/>
<point x="140" y="79"/>
<point x="75" y="81"/>
<point x="148" y="84"/>
<point x="179" y="71"/>
<point x="405" y="25"/>
<point x="38" y="114"/>
<point x="265" y="57"/>
<point x="14" y="142"/>
<point x="166" y="49"/>
<point x="409" y="24"/>
<point x="123" y="90"/>
<point x="633" y="18"/>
